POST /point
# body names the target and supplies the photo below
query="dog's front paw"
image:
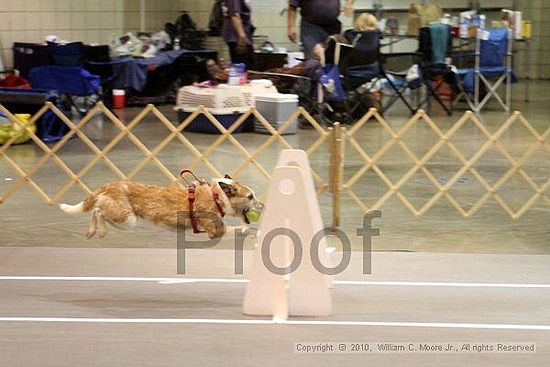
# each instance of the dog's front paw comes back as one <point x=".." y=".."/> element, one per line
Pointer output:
<point x="90" y="234"/>
<point x="102" y="232"/>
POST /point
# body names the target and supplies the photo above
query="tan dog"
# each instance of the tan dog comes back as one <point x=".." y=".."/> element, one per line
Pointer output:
<point x="122" y="203"/>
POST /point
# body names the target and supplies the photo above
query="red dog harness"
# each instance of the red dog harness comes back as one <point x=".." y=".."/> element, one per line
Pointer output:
<point x="191" y="190"/>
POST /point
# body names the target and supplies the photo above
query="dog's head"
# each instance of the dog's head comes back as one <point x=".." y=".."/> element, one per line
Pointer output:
<point x="240" y="198"/>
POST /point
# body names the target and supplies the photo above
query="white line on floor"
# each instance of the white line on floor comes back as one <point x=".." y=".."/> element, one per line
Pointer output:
<point x="236" y="280"/>
<point x="120" y="279"/>
<point x="279" y="322"/>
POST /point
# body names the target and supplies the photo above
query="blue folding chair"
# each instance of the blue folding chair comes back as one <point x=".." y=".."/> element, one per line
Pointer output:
<point x="66" y="80"/>
<point x="493" y="68"/>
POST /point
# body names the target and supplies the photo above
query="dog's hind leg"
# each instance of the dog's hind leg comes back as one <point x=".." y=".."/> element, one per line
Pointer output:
<point x="93" y="225"/>
<point x="118" y="212"/>
<point x="101" y="224"/>
<point x="129" y="222"/>
<point x="115" y="210"/>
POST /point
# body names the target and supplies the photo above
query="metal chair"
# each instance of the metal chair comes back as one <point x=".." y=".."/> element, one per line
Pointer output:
<point x="493" y="67"/>
<point x="363" y="63"/>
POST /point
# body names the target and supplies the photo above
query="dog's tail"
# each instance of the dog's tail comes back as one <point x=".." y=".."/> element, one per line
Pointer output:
<point x="72" y="209"/>
<point x="79" y="208"/>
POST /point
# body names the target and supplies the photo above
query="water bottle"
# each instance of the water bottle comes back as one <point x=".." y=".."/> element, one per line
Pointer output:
<point x="177" y="43"/>
<point x="241" y="72"/>
<point x="482" y="20"/>
<point x="463" y="28"/>
<point x="233" y="77"/>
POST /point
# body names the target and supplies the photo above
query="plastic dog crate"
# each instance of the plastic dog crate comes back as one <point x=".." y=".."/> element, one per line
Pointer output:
<point x="226" y="103"/>
<point x="226" y="117"/>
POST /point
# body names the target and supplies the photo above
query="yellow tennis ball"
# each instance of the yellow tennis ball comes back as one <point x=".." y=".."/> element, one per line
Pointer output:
<point x="253" y="215"/>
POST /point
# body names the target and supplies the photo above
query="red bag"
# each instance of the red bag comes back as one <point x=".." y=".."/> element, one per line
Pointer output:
<point x="13" y="81"/>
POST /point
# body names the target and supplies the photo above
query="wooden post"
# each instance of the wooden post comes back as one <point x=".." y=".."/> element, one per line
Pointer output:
<point x="336" y="171"/>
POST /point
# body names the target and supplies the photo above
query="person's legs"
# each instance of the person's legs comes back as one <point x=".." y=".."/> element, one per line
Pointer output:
<point x="239" y="57"/>
<point x="310" y="35"/>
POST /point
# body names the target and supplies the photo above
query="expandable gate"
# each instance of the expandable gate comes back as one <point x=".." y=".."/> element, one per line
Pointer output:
<point x="332" y="176"/>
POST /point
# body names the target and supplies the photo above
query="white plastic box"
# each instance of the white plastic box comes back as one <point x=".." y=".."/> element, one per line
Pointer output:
<point x="276" y="108"/>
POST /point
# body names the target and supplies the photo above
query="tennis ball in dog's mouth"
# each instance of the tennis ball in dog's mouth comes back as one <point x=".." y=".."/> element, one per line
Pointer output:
<point x="252" y="215"/>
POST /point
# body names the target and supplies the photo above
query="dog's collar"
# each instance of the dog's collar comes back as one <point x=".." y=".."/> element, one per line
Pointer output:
<point x="191" y="197"/>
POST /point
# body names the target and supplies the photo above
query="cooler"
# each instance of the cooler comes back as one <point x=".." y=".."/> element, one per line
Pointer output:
<point x="276" y="108"/>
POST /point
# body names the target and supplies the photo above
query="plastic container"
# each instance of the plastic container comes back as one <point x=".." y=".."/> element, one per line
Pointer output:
<point x="260" y="87"/>
<point x="222" y="96"/>
<point x="526" y="29"/>
<point x="236" y="75"/>
<point x="226" y="116"/>
<point x="463" y="30"/>
<point x="119" y="98"/>
<point x="276" y="108"/>
<point x="518" y="19"/>
<point x="232" y="76"/>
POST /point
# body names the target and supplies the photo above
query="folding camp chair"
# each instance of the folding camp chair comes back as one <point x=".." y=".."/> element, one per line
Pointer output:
<point x="363" y="63"/>
<point x="493" y="67"/>
<point x="98" y="62"/>
<point x="66" y="80"/>
<point x="395" y="67"/>
<point x="435" y="46"/>
<point x="70" y="58"/>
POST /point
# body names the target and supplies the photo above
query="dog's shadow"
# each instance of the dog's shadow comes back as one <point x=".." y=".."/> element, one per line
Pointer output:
<point x="169" y="303"/>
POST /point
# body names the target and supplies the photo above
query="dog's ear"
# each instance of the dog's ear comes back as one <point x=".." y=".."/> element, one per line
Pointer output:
<point x="229" y="190"/>
<point x="227" y="176"/>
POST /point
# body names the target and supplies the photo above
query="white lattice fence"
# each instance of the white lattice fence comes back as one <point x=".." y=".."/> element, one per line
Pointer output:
<point x="332" y="165"/>
<point x="126" y="131"/>
<point x="370" y="162"/>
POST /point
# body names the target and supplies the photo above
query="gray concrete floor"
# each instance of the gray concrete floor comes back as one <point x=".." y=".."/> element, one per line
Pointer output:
<point x="184" y="341"/>
<point x="37" y="239"/>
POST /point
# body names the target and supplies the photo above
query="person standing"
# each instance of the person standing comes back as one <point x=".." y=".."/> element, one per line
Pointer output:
<point x="319" y="21"/>
<point x="237" y="31"/>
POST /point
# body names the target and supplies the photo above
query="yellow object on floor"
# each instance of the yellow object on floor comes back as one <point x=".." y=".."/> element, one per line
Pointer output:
<point x="11" y="130"/>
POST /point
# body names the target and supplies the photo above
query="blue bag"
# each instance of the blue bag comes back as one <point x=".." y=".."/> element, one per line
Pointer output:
<point x="330" y="79"/>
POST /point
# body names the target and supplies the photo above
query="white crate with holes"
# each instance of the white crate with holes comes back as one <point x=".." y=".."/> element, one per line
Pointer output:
<point x="227" y="103"/>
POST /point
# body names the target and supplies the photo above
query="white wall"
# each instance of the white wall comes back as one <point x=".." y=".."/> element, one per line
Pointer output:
<point x="90" y="21"/>
<point x="538" y="63"/>
<point x="100" y="20"/>
<point x="32" y="20"/>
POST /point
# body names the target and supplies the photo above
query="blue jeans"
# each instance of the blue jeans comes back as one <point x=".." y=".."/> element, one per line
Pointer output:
<point x="310" y="35"/>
